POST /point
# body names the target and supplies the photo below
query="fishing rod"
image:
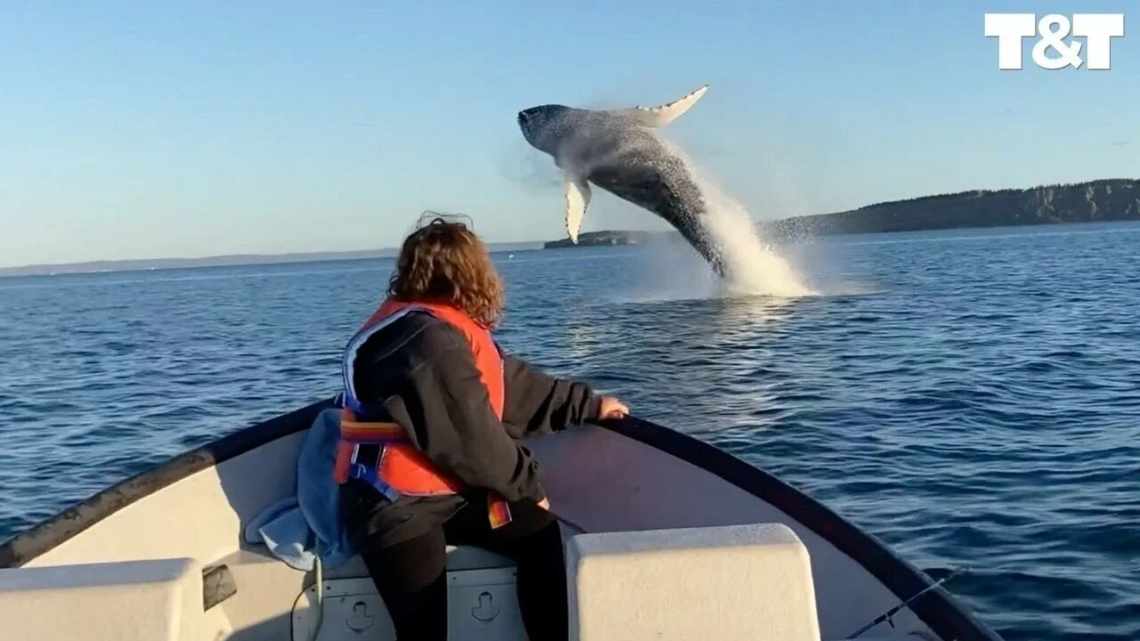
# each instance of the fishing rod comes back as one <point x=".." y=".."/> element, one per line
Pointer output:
<point x="886" y="616"/>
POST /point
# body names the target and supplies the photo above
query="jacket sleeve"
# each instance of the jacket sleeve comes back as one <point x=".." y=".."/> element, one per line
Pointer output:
<point x="458" y="431"/>
<point x="541" y="403"/>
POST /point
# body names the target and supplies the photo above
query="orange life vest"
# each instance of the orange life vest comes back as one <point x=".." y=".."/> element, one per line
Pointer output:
<point x="399" y="467"/>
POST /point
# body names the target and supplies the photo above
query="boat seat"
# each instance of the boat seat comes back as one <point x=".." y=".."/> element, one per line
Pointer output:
<point x="155" y="600"/>
<point x="730" y="583"/>
<point x="265" y="586"/>
<point x="482" y="600"/>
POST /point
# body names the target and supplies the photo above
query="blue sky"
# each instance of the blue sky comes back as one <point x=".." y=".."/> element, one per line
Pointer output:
<point x="146" y="130"/>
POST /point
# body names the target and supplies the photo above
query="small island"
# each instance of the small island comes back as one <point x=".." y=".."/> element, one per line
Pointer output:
<point x="609" y="237"/>
<point x="1088" y="202"/>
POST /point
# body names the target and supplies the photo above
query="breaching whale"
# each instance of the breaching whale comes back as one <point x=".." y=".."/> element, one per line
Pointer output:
<point x="618" y="151"/>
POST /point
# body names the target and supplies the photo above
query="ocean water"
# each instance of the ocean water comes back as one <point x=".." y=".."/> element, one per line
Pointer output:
<point x="971" y="397"/>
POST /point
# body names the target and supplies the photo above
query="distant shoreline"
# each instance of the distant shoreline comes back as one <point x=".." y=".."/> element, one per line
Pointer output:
<point x="1098" y="201"/>
<point x="230" y="260"/>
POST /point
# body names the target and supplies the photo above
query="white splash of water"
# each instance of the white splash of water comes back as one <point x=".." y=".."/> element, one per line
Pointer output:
<point x="752" y="266"/>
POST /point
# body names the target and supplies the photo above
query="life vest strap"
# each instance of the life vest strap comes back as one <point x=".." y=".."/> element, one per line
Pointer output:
<point x="357" y="431"/>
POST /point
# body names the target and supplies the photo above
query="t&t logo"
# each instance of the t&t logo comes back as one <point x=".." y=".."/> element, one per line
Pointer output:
<point x="1054" y="49"/>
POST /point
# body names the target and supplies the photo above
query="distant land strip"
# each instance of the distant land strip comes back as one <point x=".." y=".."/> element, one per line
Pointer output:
<point x="1087" y="202"/>
<point x="229" y="260"/>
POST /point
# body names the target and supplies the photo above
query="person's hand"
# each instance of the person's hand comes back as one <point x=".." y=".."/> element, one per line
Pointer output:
<point x="612" y="408"/>
<point x="544" y="504"/>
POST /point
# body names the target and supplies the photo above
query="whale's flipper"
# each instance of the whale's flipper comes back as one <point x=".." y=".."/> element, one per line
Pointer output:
<point x="664" y="114"/>
<point x="577" y="200"/>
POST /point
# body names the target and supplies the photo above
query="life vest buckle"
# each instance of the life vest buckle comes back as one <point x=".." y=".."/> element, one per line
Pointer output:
<point x="366" y="473"/>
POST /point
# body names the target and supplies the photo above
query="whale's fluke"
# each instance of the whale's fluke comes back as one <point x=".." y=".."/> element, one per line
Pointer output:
<point x="662" y="115"/>
<point x="577" y="200"/>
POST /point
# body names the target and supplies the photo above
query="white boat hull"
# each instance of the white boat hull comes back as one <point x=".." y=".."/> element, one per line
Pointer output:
<point x="625" y="476"/>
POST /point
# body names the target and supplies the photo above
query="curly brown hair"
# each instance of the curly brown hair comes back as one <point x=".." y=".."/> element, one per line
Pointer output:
<point x="444" y="262"/>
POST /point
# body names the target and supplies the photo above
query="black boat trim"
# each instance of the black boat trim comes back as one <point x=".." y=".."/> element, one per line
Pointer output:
<point x="937" y="609"/>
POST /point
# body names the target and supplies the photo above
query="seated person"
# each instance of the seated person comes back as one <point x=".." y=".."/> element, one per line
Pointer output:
<point x="430" y="450"/>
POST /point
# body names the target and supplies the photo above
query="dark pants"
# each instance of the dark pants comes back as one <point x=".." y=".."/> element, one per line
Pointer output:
<point x="411" y="578"/>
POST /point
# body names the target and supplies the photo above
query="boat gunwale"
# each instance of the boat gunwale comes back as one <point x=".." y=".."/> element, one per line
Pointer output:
<point x="938" y="609"/>
<point x="55" y="530"/>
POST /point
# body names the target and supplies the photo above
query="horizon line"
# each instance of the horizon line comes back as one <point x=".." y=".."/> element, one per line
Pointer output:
<point x="29" y="269"/>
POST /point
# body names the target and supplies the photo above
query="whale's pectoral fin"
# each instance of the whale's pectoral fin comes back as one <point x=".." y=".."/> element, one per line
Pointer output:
<point x="577" y="200"/>
<point x="664" y="114"/>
